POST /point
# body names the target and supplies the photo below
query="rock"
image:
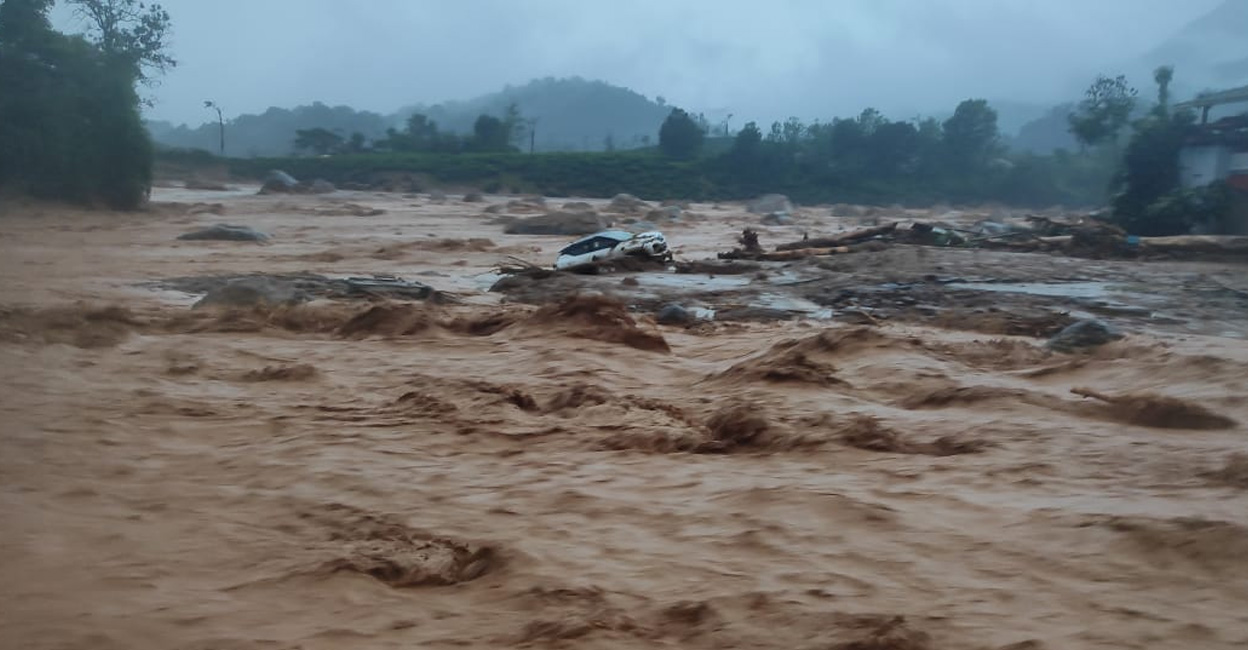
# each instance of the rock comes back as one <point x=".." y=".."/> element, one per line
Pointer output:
<point x="1081" y="334"/>
<point x="356" y="187"/>
<point x="279" y="182"/>
<point x="497" y="208"/>
<point x="526" y="205"/>
<point x="437" y="195"/>
<point x="206" y="208"/>
<point x="200" y="184"/>
<point x="281" y="177"/>
<point x="474" y="197"/>
<point x="577" y="206"/>
<point x="319" y="186"/>
<point x="777" y="219"/>
<point x="252" y="292"/>
<point x="667" y="203"/>
<point x="627" y="203"/>
<point x="673" y="314"/>
<point x="770" y="203"/>
<point x="224" y="232"/>
<point x="559" y="223"/>
<point x="670" y="213"/>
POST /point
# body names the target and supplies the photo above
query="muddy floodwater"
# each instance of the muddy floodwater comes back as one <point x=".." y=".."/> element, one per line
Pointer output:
<point x="865" y="451"/>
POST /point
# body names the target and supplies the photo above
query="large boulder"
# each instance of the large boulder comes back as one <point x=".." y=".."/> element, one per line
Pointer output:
<point x="673" y="314"/>
<point x="584" y="222"/>
<point x="777" y="219"/>
<point x="318" y="186"/>
<point x="253" y="292"/>
<point x="669" y="213"/>
<point x="279" y="182"/>
<point x="1083" y="334"/>
<point x="474" y="197"/>
<point x="769" y="203"/>
<point x="627" y="203"/>
<point x="224" y="232"/>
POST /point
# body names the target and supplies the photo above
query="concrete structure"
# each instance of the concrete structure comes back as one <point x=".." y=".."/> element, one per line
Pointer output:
<point x="1218" y="151"/>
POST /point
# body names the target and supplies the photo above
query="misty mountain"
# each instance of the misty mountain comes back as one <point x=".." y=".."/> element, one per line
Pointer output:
<point x="571" y="115"/>
<point x="1209" y="53"/>
<point x="272" y="132"/>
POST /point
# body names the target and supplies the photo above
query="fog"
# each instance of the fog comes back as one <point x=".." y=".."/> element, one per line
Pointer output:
<point x="808" y="58"/>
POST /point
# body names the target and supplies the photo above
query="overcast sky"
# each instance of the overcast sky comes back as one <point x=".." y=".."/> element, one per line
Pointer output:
<point x="759" y="60"/>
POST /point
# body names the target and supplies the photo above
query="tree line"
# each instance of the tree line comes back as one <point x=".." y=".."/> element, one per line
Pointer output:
<point x="420" y="134"/>
<point x="70" y="128"/>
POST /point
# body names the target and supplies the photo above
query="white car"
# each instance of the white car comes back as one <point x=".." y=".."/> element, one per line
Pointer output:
<point x="612" y="243"/>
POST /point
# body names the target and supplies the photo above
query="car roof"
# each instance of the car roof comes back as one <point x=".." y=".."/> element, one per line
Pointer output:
<point x="619" y="235"/>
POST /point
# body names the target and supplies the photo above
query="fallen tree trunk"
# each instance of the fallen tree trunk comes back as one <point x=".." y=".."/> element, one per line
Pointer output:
<point x="839" y="240"/>
<point x="1225" y="244"/>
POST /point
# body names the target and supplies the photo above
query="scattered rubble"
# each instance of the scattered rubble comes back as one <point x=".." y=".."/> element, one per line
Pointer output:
<point x="262" y="288"/>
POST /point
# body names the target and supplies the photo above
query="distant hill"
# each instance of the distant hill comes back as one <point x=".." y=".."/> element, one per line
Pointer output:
<point x="571" y="115"/>
<point x="270" y="133"/>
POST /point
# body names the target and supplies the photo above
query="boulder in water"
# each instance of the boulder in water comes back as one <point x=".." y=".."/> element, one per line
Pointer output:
<point x="1083" y="334"/>
<point x="769" y="203"/>
<point x="320" y="186"/>
<point x="673" y="314"/>
<point x="559" y="223"/>
<point x="627" y="203"/>
<point x="253" y="292"/>
<point x="224" y="232"/>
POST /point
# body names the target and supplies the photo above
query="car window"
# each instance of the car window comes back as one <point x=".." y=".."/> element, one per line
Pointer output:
<point x="579" y="248"/>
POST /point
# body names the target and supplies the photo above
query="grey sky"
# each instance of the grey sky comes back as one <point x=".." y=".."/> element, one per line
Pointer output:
<point x="760" y="60"/>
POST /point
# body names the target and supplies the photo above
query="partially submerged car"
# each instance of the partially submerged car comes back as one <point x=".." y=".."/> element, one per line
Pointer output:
<point x="610" y="244"/>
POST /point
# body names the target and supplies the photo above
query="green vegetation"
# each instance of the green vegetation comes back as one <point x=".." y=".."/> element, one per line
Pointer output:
<point x="681" y="137"/>
<point x="868" y="159"/>
<point x="69" y="113"/>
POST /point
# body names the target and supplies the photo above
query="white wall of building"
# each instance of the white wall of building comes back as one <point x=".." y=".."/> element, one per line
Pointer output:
<point x="1200" y="166"/>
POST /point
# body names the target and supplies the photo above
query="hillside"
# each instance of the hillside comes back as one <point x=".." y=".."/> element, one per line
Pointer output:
<point x="571" y="115"/>
<point x="271" y="132"/>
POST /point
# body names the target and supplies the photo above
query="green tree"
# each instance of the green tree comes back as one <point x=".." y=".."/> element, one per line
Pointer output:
<point x="132" y="30"/>
<point x="489" y="133"/>
<point x="1105" y="110"/>
<point x="318" y="141"/>
<point x="69" y="112"/>
<point x="748" y="143"/>
<point x="1163" y="75"/>
<point x="358" y="143"/>
<point x="680" y="136"/>
<point x="970" y="136"/>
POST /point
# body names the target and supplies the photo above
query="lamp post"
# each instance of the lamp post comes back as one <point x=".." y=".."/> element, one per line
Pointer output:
<point x="220" y="122"/>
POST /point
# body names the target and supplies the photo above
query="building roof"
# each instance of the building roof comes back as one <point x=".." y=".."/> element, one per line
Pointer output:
<point x="1205" y="100"/>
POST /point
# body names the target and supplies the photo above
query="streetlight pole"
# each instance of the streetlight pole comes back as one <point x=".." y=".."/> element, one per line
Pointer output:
<point x="220" y="122"/>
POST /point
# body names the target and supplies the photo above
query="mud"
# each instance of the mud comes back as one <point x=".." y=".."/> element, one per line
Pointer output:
<point x="374" y="472"/>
